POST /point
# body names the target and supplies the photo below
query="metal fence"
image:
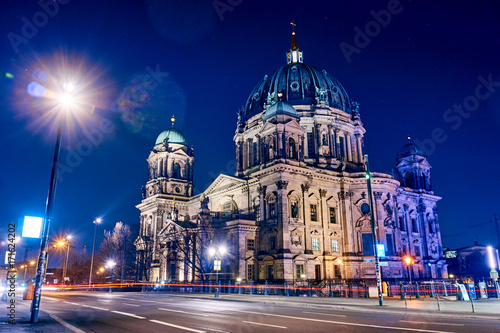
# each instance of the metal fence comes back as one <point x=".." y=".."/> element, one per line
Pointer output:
<point x="401" y="290"/>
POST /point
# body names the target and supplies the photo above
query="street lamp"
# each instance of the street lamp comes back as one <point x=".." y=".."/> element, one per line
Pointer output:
<point x="61" y="243"/>
<point x="217" y="253"/>
<point x="96" y="222"/>
<point x="110" y="264"/>
<point x="64" y="103"/>
<point x="408" y="260"/>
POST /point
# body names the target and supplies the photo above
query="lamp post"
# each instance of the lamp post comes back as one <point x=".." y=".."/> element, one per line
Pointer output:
<point x="65" y="100"/>
<point x="374" y="235"/>
<point x="409" y="261"/>
<point x="110" y="264"/>
<point x="65" y="270"/>
<point x="96" y="222"/>
<point x="217" y="253"/>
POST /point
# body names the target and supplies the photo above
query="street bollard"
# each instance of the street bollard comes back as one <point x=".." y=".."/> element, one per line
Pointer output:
<point x="266" y="289"/>
<point x="251" y="288"/>
<point x="287" y="291"/>
<point x="417" y="295"/>
<point x="230" y="288"/>
<point x="309" y="291"/>
<point x="444" y="288"/>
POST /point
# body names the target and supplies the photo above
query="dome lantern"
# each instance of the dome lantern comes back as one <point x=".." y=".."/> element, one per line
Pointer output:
<point x="294" y="55"/>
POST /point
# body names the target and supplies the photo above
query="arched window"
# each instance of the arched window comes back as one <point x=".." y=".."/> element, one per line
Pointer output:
<point x="228" y="207"/>
<point x="292" y="149"/>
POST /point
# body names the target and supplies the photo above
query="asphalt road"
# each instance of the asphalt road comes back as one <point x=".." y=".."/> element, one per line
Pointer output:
<point x="136" y="312"/>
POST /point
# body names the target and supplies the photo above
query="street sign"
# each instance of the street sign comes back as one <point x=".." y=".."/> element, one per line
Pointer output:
<point x="383" y="263"/>
<point x="369" y="260"/>
<point x="494" y="274"/>
<point x="217" y="265"/>
<point x="381" y="250"/>
<point x="472" y="290"/>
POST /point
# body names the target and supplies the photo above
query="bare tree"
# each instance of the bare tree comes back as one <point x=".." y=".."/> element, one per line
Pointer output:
<point x="118" y="246"/>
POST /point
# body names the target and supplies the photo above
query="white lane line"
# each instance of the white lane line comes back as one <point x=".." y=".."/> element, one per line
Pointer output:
<point x="325" y="314"/>
<point x="129" y="314"/>
<point x="104" y="300"/>
<point x="95" y="307"/>
<point x="71" y="303"/>
<point x="130" y="299"/>
<point x="254" y="323"/>
<point x="67" y="325"/>
<point x="427" y="322"/>
<point x="130" y="304"/>
<point x="52" y="299"/>
<point x="189" y="313"/>
<point x="176" y="326"/>
<point x="341" y="322"/>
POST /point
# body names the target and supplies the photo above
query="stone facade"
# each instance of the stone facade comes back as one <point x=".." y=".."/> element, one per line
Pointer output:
<point x="292" y="212"/>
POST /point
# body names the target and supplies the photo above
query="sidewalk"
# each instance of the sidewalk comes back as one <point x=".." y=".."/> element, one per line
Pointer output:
<point x="22" y="322"/>
<point x="485" y="308"/>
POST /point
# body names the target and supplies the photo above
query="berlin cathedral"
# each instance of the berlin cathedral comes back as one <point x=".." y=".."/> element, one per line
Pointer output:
<point x="293" y="209"/>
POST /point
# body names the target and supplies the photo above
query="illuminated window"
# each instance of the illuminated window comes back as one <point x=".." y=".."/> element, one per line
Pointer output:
<point x="332" y="215"/>
<point x="299" y="269"/>
<point x="227" y="207"/>
<point x="315" y="244"/>
<point x="314" y="213"/>
<point x="272" y="210"/>
<point x="335" y="245"/>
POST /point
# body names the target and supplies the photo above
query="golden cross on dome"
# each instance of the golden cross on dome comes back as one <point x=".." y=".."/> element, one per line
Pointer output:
<point x="408" y="138"/>
<point x="172" y="120"/>
<point x="293" y="26"/>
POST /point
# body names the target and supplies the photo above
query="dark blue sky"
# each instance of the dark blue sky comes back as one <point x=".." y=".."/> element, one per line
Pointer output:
<point x="428" y="57"/>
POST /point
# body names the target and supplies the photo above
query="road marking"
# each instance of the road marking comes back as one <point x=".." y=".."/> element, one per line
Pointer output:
<point x="341" y="322"/>
<point x="95" y="307"/>
<point x="52" y="299"/>
<point x="427" y="322"/>
<point x="104" y="300"/>
<point x="130" y="304"/>
<point x="67" y="325"/>
<point x="130" y="299"/>
<point x="176" y="326"/>
<point x="254" y="323"/>
<point x="325" y="314"/>
<point x="129" y="314"/>
<point x="72" y="303"/>
<point x="189" y="313"/>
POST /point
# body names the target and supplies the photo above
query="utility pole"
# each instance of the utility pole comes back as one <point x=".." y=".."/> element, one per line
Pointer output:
<point x="374" y="235"/>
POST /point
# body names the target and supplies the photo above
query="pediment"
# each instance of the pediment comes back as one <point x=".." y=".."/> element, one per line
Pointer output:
<point x="223" y="182"/>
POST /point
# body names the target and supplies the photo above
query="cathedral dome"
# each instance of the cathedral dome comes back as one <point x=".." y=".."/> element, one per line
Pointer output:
<point x="299" y="84"/>
<point x="280" y="108"/>
<point x="172" y="135"/>
<point x="409" y="149"/>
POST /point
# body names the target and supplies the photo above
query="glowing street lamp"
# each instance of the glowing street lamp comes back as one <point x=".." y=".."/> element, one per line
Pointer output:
<point x="65" y="103"/>
<point x="217" y="253"/>
<point x="65" y="270"/>
<point x="111" y="265"/>
<point x="408" y="261"/>
<point x="96" y="222"/>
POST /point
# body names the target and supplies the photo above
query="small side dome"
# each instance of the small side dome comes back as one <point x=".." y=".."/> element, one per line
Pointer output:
<point x="410" y="149"/>
<point x="280" y="108"/>
<point x="172" y="135"/>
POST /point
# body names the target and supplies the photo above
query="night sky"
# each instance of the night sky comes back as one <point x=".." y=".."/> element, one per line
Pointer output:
<point x="139" y="62"/>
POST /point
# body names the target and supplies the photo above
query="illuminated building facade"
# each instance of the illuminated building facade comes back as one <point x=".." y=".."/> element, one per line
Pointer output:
<point x="292" y="211"/>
